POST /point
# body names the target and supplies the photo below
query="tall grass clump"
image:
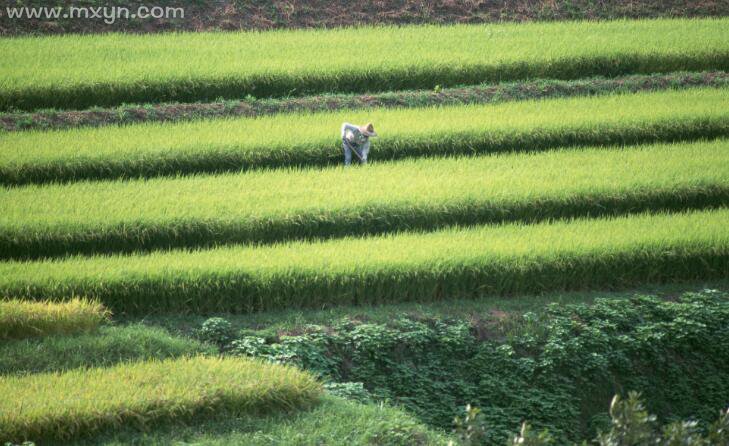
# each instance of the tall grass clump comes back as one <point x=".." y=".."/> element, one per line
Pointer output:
<point x="82" y="402"/>
<point x="23" y="319"/>
<point x="506" y="259"/>
<point x="299" y="139"/>
<point x="83" y="71"/>
<point x="423" y="194"/>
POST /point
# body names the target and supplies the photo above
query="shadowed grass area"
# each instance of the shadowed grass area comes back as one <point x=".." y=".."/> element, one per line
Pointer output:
<point x="24" y="319"/>
<point x="458" y="262"/>
<point x="425" y="194"/>
<point x="109" y="346"/>
<point x="82" y="401"/>
<point x="335" y="422"/>
<point x="148" y="150"/>
<point x="82" y="71"/>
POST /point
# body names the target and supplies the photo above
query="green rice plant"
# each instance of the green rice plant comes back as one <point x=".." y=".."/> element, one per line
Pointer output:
<point x="81" y="71"/>
<point x="108" y="346"/>
<point x="80" y="402"/>
<point x="23" y="319"/>
<point x="457" y="262"/>
<point x="423" y="194"/>
<point x="153" y="149"/>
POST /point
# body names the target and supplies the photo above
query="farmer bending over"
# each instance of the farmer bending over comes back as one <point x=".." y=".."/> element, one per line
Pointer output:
<point x="356" y="139"/>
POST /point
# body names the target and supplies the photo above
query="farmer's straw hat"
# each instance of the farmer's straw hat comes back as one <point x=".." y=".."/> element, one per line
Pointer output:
<point x="368" y="130"/>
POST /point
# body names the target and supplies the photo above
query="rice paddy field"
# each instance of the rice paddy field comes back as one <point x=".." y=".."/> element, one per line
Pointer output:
<point x="106" y="229"/>
<point x="305" y="139"/>
<point x="59" y="406"/>
<point x="83" y="71"/>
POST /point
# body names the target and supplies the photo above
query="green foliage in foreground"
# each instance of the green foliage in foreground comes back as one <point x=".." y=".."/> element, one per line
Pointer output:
<point x="24" y="319"/>
<point x="425" y="194"/>
<point x="457" y="262"/>
<point x="559" y="370"/>
<point x="109" y="346"/>
<point x="335" y="422"/>
<point x="82" y="71"/>
<point x="630" y="425"/>
<point x="82" y="401"/>
<point x="313" y="138"/>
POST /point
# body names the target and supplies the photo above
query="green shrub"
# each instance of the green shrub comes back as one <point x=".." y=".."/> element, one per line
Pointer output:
<point x="631" y="425"/>
<point x="82" y="401"/>
<point x="558" y="370"/>
<point x="216" y="331"/>
<point x="23" y="319"/>
<point x="350" y="391"/>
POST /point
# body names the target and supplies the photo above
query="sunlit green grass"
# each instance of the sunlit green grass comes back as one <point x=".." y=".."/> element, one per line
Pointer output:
<point x="80" y="402"/>
<point x="313" y="139"/>
<point x="266" y="206"/>
<point x="508" y="259"/>
<point x="25" y="319"/>
<point x="80" y="71"/>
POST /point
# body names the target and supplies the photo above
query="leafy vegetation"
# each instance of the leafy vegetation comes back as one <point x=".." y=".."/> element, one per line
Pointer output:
<point x="110" y="345"/>
<point x="216" y="331"/>
<point x="82" y="71"/>
<point x="311" y="138"/>
<point x="557" y="368"/>
<point x="251" y="106"/>
<point x="630" y="424"/>
<point x="458" y="262"/>
<point x="23" y="319"/>
<point x="80" y="402"/>
<point x="287" y="321"/>
<point x="427" y="194"/>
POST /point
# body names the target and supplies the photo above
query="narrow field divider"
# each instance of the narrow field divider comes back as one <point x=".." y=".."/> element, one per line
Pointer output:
<point x="81" y="402"/>
<point x="416" y="195"/>
<point x="458" y="262"/>
<point x="473" y="94"/>
<point x="312" y="139"/>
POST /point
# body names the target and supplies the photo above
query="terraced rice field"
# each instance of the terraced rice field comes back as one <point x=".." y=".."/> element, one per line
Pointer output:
<point x="301" y="139"/>
<point x="83" y="71"/>
<point x="509" y="259"/>
<point x="248" y="214"/>
<point x="276" y="205"/>
<point x="58" y="406"/>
